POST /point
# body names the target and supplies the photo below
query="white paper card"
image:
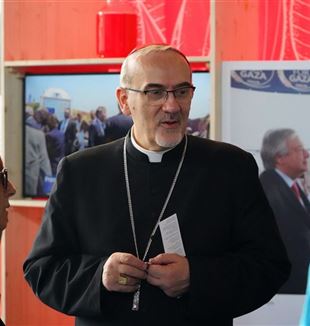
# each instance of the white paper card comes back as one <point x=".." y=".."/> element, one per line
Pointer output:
<point x="171" y="235"/>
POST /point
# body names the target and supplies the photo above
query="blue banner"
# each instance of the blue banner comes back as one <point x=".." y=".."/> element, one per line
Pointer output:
<point x="276" y="81"/>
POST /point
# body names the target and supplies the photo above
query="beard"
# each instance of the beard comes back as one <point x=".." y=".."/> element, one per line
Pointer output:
<point x="169" y="138"/>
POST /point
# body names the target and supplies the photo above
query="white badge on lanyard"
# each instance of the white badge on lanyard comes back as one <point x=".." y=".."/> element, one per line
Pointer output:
<point x="171" y="235"/>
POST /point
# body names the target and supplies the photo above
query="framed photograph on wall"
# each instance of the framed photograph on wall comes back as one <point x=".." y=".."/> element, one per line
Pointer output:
<point x="266" y="111"/>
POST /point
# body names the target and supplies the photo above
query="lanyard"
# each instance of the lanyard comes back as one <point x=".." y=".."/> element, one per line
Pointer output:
<point x="135" y="305"/>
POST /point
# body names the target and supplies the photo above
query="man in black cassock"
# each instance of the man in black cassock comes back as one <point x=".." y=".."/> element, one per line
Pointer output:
<point x="157" y="227"/>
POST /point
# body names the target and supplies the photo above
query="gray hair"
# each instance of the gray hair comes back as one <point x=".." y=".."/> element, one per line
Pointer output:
<point x="126" y="76"/>
<point x="274" y="145"/>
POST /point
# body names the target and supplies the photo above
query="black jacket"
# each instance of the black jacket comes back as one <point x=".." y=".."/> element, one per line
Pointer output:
<point x="294" y="224"/>
<point x="237" y="259"/>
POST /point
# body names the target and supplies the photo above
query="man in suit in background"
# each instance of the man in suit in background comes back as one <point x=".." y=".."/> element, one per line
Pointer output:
<point x="97" y="132"/>
<point x="55" y="143"/>
<point x="37" y="163"/>
<point x="63" y="125"/>
<point x="158" y="227"/>
<point x="68" y="127"/>
<point x="285" y="161"/>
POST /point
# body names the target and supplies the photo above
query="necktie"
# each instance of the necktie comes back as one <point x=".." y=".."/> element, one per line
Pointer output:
<point x="296" y="190"/>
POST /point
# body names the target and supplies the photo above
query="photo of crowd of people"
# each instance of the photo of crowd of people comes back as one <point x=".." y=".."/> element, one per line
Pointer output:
<point x="58" y="121"/>
<point x="48" y="140"/>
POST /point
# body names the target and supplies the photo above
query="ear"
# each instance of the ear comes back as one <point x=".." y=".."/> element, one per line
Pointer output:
<point x="122" y="98"/>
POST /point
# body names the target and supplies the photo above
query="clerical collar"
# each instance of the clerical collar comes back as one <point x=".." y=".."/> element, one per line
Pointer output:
<point x="154" y="157"/>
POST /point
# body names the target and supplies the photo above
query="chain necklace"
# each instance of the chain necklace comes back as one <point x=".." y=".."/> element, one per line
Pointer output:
<point x="136" y="297"/>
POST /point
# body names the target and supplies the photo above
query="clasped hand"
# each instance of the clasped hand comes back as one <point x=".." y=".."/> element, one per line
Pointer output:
<point x="123" y="272"/>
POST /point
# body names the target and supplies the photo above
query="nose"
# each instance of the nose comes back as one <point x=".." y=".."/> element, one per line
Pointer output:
<point x="11" y="189"/>
<point x="306" y="153"/>
<point x="171" y="104"/>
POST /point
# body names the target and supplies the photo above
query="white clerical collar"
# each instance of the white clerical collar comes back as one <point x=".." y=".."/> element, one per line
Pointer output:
<point x="154" y="157"/>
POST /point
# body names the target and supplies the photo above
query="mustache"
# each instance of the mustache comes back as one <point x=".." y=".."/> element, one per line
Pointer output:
<point x="168" y="117"/>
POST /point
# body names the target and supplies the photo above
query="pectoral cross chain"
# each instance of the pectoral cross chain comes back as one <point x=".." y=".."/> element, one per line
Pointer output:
<point x="136" y="300"/>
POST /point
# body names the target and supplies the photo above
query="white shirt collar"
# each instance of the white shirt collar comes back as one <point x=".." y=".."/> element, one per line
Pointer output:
<point x="285" y="177"/>
<point x="154" y="156"/>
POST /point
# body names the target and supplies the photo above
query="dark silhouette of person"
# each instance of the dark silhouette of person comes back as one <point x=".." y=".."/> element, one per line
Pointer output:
<point x="55" y="143"/>
<point x="117" y="126"/>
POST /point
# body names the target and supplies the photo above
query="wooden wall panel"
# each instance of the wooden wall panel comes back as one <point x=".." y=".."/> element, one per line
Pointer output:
<point x="49" y="30"/>
<point x="237" y="30"/>
<point x="23" y="308"/>
<point x="46" y="30"/>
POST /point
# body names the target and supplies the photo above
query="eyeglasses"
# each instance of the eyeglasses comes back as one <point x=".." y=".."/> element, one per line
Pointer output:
<point x="4" y="179"/>
<point x="160" y="96"/>
<point x="298" y="149"/>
